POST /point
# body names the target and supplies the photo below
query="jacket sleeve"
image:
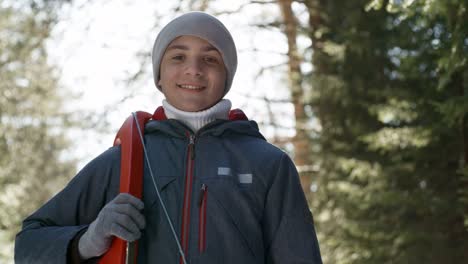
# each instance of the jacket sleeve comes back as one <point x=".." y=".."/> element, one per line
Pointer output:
<point x="46" y="234"/>
<point x="289" y="232"/>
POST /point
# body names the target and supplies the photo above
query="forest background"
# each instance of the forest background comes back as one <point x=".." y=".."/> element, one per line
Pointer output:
<point x="369" y="97"/>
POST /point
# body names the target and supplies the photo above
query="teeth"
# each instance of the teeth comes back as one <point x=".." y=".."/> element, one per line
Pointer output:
<point x="191" y="87"/>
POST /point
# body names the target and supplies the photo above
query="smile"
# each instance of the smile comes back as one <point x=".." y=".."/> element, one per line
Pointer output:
<point x="190" y="87"/>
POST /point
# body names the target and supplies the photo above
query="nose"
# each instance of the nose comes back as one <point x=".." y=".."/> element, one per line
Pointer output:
<point x="194" y="68"/>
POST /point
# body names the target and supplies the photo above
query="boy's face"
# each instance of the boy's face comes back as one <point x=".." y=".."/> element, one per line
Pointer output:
<point x="192" y="75"/>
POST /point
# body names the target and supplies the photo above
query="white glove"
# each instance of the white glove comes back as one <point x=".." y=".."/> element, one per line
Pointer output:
<point x="121" y="217"/>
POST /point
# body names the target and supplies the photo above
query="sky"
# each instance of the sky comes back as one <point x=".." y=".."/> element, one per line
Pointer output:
<point x="95" y="46"/>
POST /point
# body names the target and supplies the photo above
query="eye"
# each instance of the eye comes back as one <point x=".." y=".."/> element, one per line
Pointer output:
<point x="211" y="60"/>
<point x="177" y="57"/>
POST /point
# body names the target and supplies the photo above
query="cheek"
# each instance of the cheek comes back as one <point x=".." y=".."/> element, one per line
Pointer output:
<point x="166" y="75"/>
<point x="218" y="75"/>
<point x="221" y="80"/>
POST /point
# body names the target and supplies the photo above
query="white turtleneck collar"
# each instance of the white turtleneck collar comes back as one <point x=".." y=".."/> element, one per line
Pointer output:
<point x="196" y="120"/>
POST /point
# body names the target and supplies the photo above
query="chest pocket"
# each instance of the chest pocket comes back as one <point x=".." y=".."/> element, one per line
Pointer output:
<point x="157" y="228"/>
<point x="233" y="204"/>
<point x="164" y="184"/>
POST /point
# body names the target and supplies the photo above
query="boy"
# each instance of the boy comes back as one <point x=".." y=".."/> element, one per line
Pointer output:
<point x="231" y="196"/>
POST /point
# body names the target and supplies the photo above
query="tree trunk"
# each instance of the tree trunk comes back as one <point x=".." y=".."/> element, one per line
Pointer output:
<point x="301" y="141"/>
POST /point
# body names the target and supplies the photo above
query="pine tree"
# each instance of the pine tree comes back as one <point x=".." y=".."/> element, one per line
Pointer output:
<point x="391" y="182"/>
<point x="33" y="164"/>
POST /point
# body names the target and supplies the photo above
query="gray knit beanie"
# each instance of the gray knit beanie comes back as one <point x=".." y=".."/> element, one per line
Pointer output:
<point x="200" y="25"/>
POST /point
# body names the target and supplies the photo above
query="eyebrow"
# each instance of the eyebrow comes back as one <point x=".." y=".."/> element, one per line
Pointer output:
<point x="184" y="47"/>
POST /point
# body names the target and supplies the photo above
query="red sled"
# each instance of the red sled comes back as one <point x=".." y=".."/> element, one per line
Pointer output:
<point x="131" y="181"/>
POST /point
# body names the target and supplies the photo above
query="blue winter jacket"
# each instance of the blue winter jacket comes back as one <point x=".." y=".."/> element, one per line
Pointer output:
<point x="232" y="197"/>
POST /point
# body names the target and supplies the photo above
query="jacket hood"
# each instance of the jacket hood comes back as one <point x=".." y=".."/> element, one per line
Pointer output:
<point x="175" y="128"/>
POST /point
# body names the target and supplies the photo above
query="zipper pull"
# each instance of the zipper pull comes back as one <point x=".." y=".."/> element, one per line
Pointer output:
<point x="192" y="146"/>
<point x="202" y="194"/>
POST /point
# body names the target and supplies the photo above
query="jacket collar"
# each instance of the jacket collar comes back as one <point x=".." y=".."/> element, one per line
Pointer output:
<point x="237" y="123"/>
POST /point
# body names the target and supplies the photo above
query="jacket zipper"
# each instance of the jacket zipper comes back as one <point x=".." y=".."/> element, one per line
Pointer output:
<point x="187" y="195"/>
<point x="202" y="218"/>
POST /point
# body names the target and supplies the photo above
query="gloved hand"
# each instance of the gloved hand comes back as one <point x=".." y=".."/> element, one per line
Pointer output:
<point x="121" y="217"/>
